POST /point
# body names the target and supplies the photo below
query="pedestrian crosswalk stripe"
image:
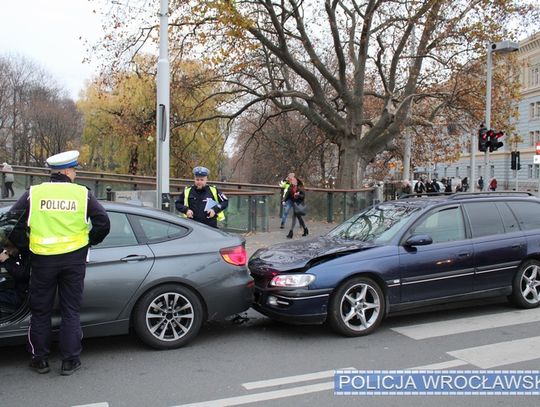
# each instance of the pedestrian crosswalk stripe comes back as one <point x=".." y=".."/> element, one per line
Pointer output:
<point x="501" y="353"/>
<point x="269" y="395"/>
<point x="469" y="324"/>
<point x="441" y="366"/>
<point x="292" y="379"/>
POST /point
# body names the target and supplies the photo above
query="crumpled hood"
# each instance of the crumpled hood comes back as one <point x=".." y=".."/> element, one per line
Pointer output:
<point x="298" y="253"/>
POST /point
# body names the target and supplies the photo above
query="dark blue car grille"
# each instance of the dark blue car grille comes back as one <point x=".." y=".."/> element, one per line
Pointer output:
<point x="261" y="281"/>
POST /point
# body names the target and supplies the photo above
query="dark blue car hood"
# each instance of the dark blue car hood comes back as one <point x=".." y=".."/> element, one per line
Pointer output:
<point x="298" y="254"/>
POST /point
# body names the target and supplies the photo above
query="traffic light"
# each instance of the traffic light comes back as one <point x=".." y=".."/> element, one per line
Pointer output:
<point x="482" y="138"/>
<point x="515" y="161"/>
<point x="494" y="144"/>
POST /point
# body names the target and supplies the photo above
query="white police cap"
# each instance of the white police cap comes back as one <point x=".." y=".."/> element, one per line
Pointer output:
<point x="201" y="171"/>
<point x="63" y="160"/>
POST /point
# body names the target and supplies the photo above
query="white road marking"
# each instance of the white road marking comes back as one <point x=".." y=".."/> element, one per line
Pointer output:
<point x="296" y="391"/>
<point x="292" y="379"/>
<point x="269" y="395"/>
<point x="104" y="404"/>
<point x="501" y="353"/>
<point x="471" y="324"/>
<point x="484" y="357"/>
<point x="441" y="366"/>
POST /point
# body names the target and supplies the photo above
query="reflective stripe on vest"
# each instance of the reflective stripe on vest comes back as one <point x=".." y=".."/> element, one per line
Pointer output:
<point x="57" y="218"/>
<point x="285" y="189"/>
<point x="220" y="216"/>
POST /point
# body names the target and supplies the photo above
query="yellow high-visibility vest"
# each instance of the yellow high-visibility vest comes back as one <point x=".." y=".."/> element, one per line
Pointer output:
<point x="220" y="216"/>
<point x="285" y="185"/>
<point x="57" y="218"/>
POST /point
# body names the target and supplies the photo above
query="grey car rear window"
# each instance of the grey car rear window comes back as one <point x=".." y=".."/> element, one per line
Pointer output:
<point x="121" y="233"/>
<point x="156" y="230"/>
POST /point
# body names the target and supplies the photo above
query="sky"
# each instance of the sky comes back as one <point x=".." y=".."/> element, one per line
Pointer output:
<point x="47" y="32"/>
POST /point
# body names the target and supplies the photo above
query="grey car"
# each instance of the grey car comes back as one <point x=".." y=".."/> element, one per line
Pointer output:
<point x="157" y="273"/>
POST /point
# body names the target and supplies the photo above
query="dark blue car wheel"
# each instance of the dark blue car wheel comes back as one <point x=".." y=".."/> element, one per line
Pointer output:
<point x="168" y="316"/>
<point x="356" y="307"/>
<point x="526" y="285"/>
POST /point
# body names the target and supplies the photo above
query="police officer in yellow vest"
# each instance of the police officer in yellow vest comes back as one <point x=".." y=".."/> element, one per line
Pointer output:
<point x="201" y="202"/>
<point x="58" y="215"/>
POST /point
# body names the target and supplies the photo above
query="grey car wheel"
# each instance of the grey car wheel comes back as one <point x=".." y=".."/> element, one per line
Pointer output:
<point x="168" y="316"/>
<point x="357" y="307"/>
<point x="526" y="285"/>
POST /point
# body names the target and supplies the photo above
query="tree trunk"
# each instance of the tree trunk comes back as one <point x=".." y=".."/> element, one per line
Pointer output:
<point x="348" y="164"/>
<point x="133" y="160"/>
<point x="363" y="162"/>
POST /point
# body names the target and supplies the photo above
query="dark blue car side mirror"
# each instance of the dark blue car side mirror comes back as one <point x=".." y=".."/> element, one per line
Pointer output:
<point x="419" y="240"/>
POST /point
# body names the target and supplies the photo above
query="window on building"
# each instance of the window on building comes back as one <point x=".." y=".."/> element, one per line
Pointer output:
<point x="457" y="172"/>
<point x="529" y="171"/>
<point x="469" y="171"/>
<point x="531" y="111"/>
<point x="534" y="75"/>
<point x="492" y="171"/>
<point x="531" y="138"/>
<point x="537" y="110"/>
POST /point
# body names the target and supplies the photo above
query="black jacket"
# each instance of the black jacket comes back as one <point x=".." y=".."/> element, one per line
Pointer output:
<point x="197" y="202"/>
<point x="95" y="212"/>
<point x="19" y="268"/>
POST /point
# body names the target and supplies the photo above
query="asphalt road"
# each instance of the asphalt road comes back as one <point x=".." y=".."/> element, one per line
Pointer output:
<point x="231" y="364"/>
<point x="264" y="363"/>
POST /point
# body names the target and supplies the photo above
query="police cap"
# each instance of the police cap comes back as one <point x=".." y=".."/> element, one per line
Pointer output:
<point x="67" y="159"/>
<point x="200" y="171"/>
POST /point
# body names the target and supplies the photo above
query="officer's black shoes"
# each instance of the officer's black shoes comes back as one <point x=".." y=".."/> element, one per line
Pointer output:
<point x="289" y="236"/>
<point x="282" y="226"/>
<point x="69" y="367"/>
<point x="306" y="232"/>
<point x="41" y="366"/>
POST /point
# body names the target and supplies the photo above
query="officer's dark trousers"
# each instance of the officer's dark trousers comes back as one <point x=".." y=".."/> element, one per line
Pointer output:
<point x="44" y="281"/>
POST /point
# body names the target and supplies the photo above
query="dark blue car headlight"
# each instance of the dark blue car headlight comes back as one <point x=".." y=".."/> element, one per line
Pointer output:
<point x="292" y="280"/>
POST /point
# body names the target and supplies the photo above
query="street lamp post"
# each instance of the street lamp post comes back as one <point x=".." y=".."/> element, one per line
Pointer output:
<point x="502" y="47"/>
<point x="162" y="125"/>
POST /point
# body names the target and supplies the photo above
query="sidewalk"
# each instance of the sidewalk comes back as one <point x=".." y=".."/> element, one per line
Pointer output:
<point x="255" y="241"/>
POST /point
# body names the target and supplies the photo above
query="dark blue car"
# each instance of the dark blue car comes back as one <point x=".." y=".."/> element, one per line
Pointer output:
<point x="402" y="255"/>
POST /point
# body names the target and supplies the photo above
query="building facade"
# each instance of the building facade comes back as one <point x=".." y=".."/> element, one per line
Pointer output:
<point x="527" y="127"/>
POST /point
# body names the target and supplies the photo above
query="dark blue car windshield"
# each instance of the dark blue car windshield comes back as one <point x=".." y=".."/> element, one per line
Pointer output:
<point x="377" y="225"/>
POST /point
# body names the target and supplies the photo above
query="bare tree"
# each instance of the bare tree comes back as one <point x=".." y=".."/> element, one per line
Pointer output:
<point x="56" y="123"/>
<point x="353" y="68"/>
<point x="36" y="118"/>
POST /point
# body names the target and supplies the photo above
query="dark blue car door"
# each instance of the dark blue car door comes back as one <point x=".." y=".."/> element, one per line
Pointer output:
<point x="440" y="269"/>
<point x="499" y="244"/>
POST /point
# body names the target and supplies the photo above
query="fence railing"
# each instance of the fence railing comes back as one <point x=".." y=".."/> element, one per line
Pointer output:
<point x="252" y="207"/>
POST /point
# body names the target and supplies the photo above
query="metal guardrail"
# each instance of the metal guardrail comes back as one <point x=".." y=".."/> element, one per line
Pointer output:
<point x="251" y="206"/>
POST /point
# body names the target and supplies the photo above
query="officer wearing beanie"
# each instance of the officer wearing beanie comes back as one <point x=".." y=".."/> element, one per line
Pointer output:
<point x="58" y="215"/>
<point x="201" y="202"/>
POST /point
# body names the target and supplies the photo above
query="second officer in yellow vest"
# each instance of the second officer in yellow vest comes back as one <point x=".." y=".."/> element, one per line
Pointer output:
<point x="201" y="202"/>
<point x="58" y="216"/>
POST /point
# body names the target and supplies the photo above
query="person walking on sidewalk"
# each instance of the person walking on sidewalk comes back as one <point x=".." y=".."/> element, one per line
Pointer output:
<point x="287" y="204"/>
<point x="8" y="180"/>
<point x="493" y="184"/>
<point x="297" y="194"/>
